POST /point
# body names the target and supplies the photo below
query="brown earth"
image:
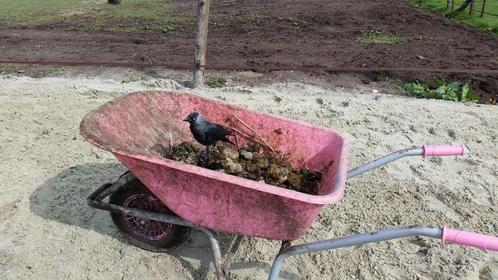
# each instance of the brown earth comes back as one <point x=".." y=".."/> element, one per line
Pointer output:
<point x="314" y="36"/>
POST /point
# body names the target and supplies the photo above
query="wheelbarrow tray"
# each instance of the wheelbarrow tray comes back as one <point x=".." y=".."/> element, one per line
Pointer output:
<point x="130" y="126"/>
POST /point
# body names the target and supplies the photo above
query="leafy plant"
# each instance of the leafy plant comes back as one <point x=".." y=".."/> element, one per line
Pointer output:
<point x="216" y="83"/>
<point x="454" y="91"/>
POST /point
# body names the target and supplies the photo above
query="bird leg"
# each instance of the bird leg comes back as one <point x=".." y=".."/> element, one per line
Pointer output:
<point x="204" y="155"/>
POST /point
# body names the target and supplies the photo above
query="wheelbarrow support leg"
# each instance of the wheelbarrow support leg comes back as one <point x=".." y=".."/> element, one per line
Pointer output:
<point x="357" y="239"/>
<point x="232" y="252"/>
<point x="215" y="246"/>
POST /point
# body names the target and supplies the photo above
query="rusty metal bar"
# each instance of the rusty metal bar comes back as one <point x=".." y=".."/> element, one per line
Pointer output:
<point x="247" y="68"/>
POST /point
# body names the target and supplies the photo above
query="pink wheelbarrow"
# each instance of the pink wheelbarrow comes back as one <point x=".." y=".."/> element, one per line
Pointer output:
<point x="158" y="201"/>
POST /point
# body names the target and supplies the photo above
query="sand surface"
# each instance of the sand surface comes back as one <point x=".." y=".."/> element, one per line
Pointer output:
<point x="48" y="232"/>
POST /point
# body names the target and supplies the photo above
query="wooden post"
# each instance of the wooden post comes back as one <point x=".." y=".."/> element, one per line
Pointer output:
<point x="483" y="7"/>
<point x="201" y="42"/>
<point x="471" y="7"/>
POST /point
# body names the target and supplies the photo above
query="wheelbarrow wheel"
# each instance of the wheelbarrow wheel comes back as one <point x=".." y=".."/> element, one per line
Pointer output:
<point x="146" y="234"/>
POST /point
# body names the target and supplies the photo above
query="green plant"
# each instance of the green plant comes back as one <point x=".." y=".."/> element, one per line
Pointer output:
<point x="380" y="37"/>
<point x="216" y="83"/>
<point x="454" y="91"/>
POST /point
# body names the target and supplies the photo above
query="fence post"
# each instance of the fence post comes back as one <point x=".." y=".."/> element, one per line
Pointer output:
<point x="201" y="42"/>
<point x="483" y="6"/>
<point x="471" y="7"/>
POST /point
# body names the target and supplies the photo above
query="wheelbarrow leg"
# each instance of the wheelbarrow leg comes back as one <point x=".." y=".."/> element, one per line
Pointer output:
<point x="231" y="253"/>
<point x="285" y="245"/>
<point x="218" y="264"/>
<point x="222" y="267"/>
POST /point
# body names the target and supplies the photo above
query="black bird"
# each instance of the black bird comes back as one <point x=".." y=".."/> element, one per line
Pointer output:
<point x="205" y="132"/>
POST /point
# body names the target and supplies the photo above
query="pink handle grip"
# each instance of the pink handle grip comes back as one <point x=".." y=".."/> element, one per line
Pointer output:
<point x="486" y="242"/>
<point x="456" y="150"/>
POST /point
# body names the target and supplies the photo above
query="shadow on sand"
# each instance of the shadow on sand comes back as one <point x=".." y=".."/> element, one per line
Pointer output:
<point x="63" y="199"/>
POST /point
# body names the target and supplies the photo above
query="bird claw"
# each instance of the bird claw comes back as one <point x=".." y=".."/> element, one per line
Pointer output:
<point x="204" y="155"/>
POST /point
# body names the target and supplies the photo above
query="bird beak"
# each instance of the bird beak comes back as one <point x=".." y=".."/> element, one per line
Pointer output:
<point x="186" y="120"/>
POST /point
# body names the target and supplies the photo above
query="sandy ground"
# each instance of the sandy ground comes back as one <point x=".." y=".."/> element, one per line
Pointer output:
<point x="48" y="232"/>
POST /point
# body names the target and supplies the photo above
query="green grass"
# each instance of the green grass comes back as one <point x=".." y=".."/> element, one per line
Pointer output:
<point x="92" y="15"/>
<point x="381" y="37"/>
<point x="26" y="12"/>
<point x="487" y="22"/>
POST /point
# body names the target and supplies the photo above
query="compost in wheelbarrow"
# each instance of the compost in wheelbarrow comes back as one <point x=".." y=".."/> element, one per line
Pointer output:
<point x="131" y="125"/>
<point x="251" y="162"/>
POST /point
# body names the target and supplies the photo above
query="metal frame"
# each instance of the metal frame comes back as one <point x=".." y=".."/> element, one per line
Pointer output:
<point x="352" y="240"/>
<point x="95" y="200"/>
<point x="385" y="160"/>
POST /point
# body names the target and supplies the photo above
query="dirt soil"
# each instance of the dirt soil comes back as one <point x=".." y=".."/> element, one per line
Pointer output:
<point x="47" y="231"/>
<point x="316" y="36"/>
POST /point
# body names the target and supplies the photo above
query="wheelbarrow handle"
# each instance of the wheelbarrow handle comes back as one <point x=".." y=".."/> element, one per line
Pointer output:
<point x="448" y="235"/>
<point x="445" y="150"/>
<point x="425" y="151"/>
<point x="472" y="239"/>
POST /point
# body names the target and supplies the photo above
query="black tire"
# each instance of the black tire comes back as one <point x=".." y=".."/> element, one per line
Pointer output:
<point x="163" y="236"/>
<point x="114" y="2"/>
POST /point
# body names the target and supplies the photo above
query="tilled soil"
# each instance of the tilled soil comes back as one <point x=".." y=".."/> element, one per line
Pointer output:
<point x="311" y="36"/>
